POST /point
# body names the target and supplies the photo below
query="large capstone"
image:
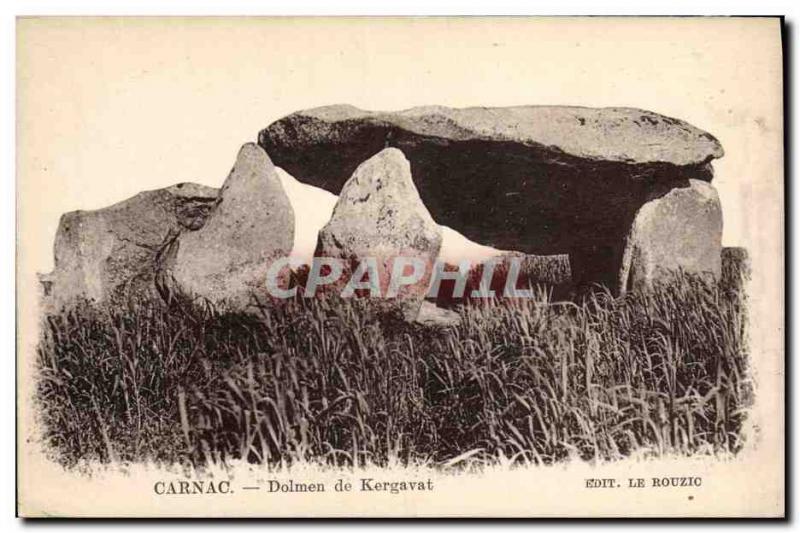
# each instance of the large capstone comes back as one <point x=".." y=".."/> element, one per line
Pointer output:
<point x="112" y="252"/>
<point x="225" y="262"/>
<point x="379" y="216"/>
<point x="680" y="231"/>
<point x="533" y="179"/>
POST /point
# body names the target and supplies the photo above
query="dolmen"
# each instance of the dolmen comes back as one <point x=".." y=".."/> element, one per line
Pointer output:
<point x="625" y="193"/>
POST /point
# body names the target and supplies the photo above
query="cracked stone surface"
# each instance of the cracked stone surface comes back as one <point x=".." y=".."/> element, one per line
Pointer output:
<point x="112" y="252"/>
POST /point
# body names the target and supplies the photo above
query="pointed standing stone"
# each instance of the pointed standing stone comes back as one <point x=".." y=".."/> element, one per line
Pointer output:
<point x="225" y="262"/>
<point x="380" y="215"/>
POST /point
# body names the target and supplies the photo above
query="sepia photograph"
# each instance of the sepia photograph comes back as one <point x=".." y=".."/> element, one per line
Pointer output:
<point x="400" y="267"/>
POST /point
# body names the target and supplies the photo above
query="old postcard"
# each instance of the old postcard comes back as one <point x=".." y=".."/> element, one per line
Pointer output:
<point x="400" y="267"/>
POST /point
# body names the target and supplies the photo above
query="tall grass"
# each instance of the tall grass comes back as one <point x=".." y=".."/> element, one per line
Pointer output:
<point x="520" y="381"/>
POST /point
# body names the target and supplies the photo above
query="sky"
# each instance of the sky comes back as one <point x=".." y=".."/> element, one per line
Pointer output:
<point x="110" y="107"/>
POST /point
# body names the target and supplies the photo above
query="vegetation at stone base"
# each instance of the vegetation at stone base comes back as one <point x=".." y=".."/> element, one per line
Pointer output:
<point x="525" y="381"/>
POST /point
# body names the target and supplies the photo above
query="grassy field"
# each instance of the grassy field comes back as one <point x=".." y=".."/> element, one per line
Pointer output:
<point x="526" y="381"/>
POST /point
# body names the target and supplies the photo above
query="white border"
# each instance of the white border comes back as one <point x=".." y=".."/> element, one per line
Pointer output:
<point x="10" y="9"/>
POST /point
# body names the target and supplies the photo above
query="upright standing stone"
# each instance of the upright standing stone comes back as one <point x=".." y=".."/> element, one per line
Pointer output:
<point x="380" y="215"/>
<point x="226" y="261"/>
<point x="681" y="230"/>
